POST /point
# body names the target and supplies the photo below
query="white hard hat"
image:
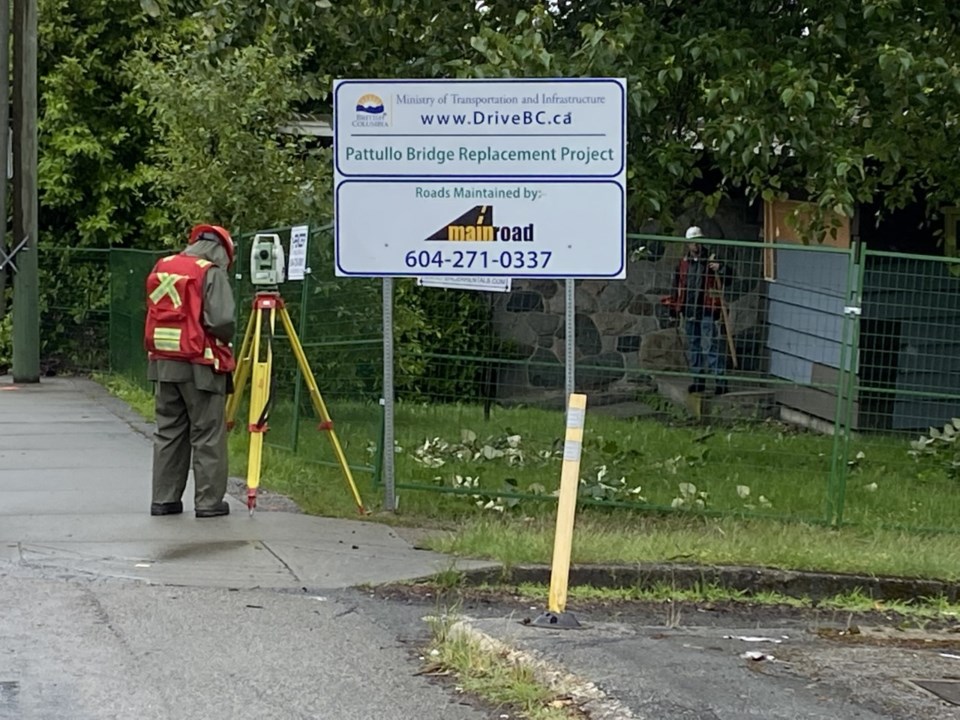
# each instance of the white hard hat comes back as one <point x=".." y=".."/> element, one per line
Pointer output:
<point x="694" y="232"/>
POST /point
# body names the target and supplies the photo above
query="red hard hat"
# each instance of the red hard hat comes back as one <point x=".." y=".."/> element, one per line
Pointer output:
<point x="213" y="232"/>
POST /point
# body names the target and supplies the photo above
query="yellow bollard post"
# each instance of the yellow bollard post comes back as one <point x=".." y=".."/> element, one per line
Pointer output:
<point x="556" y="615"/>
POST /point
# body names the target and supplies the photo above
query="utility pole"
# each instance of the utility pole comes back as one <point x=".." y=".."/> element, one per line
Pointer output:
<point x="26" y="288"/>
<point x="4" y="139"/>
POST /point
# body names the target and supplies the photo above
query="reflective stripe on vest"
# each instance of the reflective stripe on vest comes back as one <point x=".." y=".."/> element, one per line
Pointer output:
<point x="167" y="338"/>
<point x="167" y="288"/>
<point x="208" y="355"/>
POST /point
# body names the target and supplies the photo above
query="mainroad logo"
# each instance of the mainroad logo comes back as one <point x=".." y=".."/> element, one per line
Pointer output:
<point x="477" y="225"/>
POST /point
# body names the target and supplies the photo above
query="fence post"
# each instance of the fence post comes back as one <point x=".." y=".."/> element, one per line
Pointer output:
<point x="854" y="310"/>
<point x="298" y="382"/>
<point x="389" y="488"/>
<point x="846" y="384"/>
<point x="5" y="138"/>
<point x="570" y="343"/>
<point x="111" y="323"/>
<point x="26" y="227"/>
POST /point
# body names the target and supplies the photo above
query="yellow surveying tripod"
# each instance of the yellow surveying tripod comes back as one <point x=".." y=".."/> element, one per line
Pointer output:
<point x="256" y="360"/>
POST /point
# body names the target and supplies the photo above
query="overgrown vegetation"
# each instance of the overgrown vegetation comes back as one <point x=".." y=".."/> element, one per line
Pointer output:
<point x="446" y="343"/>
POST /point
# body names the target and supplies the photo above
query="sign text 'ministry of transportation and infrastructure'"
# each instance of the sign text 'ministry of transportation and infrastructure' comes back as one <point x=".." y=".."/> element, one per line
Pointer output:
<point x="516" y="178"/>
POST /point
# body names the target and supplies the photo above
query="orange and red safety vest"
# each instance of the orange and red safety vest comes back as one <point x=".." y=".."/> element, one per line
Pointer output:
<point x="174" y="328"/>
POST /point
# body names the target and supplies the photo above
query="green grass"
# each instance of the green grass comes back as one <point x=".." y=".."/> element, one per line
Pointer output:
<point x="453" y="584"/>
<point x="890" y="499"/>
<point x="507" y="684"/>
<point x="135" y="396"/>
<point x="634" y="538"/>
<point x="933" y="608"/>
<point x="767" y="470"/>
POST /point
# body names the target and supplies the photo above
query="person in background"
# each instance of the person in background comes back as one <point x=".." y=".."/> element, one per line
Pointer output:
<point x="697" y="287"/>
<point x="189" y="326"/>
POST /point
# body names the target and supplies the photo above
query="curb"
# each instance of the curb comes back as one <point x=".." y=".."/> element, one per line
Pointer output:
<point x="814" y="586"/>
<point x="589" y="698"/>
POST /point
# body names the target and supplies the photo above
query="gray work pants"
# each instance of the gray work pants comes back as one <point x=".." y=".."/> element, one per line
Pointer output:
<point x="191" y="425"/>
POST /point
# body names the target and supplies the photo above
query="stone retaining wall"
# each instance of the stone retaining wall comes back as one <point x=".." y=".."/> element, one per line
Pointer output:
<point x="622" y="328"/>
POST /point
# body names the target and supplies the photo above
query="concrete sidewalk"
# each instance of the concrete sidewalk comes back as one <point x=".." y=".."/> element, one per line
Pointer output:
<point x="75" y="469"/>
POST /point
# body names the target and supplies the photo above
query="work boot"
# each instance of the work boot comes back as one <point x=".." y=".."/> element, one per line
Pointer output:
<point x="168" y="508"/>
<point x="221" y="508"/>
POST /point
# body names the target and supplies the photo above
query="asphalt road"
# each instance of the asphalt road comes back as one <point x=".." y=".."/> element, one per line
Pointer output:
<point x="74" y="648"/>
<point x="80" y="647"/>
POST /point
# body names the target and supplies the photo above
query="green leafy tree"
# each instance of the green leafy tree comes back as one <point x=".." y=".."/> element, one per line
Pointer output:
<point x="94" y="179"/>
<point x="841" y="102"/>
<point x="95" y="183"/>
<point x="218" y="149"/>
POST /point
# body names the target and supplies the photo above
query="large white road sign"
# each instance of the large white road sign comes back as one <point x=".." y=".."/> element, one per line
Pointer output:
<point x="517" y="178"/>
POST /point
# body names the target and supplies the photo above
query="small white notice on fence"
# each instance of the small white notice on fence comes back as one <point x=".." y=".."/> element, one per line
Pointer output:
<point x="298" y="252"/>
<point x="467" y="282"/>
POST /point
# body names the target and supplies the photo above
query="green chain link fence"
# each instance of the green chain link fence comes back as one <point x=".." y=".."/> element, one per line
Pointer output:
<point x="128" y="275"/>
<point x="903" y="408"/>
<point x="495" y="436"/>
<point x="844" y="359"/>
<point x="75" y="311"/>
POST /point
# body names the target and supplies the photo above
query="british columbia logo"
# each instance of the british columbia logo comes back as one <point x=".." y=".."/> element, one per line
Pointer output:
<point x="477" y="225"/>
<point x="371" y="112"/>
<point x="371" y="104"/>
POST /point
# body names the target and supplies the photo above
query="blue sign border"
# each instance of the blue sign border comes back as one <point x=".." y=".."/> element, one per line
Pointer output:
<point x="515" y="276"/>
<point x="530" y="81"/>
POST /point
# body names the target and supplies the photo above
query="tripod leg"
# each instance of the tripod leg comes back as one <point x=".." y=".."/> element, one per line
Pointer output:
<point x="259" y="394"/>
<point x="320" y="406"/>
<point x="241" y="373"/>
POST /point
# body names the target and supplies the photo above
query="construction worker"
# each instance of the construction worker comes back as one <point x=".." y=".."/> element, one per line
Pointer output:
<point x="190" y="322"/>
<point x="696" y="298"/>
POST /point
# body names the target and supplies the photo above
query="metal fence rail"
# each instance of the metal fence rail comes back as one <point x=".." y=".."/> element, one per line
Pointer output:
<point x="833" y="361"/>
